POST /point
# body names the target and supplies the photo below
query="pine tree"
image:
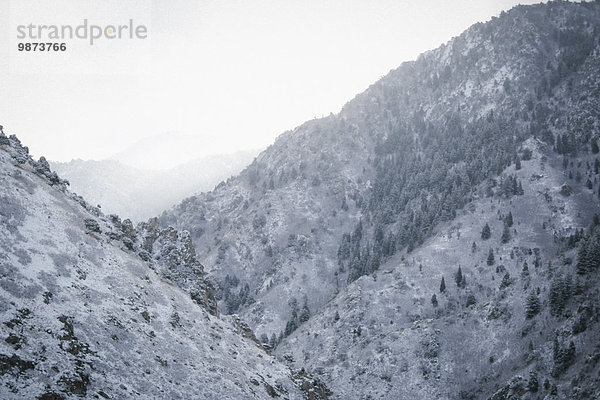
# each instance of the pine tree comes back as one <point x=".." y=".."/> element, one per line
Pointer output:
<point x="305" y="313"/>
<point x="520" y="190"/>
<point x="459" y="277"/>
<point x="486" y="232"/>
<point x="533" y="384"/>
<point x="273" y="341"/>
<point x="505" y="234"/>
<point x="474" y="247"/>
<point x="560" y="291"/>
<point x="517" y="163"/>
<point x="491" y="260"/>
<point x="525" y="271"/>
<point x="508" y="220"/>
<point x="264" y="339"/>
<point x="471" y="301"/>
<point x="563" y="357"/>
<point x="532" y="306"/>
<point x="434" y="300"/>
<point x="442" y="286"/>
<point x="344" y="204"/>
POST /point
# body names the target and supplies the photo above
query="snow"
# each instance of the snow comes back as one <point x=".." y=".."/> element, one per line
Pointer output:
<point x="125" y="342"/>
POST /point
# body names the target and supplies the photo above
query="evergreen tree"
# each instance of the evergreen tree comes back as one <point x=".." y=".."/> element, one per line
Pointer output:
<point x="508" y="220"/>
<point x="434" y="300"/>
<point x="506" y="281"/>
<point x="264" y="339"/>
<point x="273" y="341"/>
<point x="491" y="259"/>
<point x="563" y="357"/>
<point x="505" y="234"/>
<point x="520" y="190"/>
<point x="517" y="163"/>
<point x="474" y="247"/>
<point x="583" y="259"/>
<point x="560" y="291"/>
<point x="486" y="233"/>
<point x="471" y="301"/>
<point x="533" y="385"/>
<point x="293" y="322"/>
<point x="525" y="271"/>
<point x="305" y="313"/>
<point x="532" y="305"/>
<point x="595" y="148"/>
<point x="344" y="204"/>
<point x="459" y="277"/>
<point x="588" y="257"/>
<point x="442" y="286"/>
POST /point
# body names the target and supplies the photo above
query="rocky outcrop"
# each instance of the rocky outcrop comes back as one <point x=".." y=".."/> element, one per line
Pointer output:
<point x="21" y="155"/>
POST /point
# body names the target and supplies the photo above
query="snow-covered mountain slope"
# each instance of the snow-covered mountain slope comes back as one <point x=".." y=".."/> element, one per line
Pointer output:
<point x="92" y="308"/>
<point x="141" y="194"/>
<point x="336" y="197"/>
<point x="383" y="336"/>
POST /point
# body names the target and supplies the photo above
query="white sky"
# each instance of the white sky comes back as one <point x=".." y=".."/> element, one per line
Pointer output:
<point x="233" y="73"/>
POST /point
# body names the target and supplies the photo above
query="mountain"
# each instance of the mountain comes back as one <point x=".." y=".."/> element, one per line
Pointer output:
<point x="140" y="194"/>
<point x="91" y="307"/>
<point x="332" y="243"/>
<point x="165" y="151"/>
<point x="482" y="337"/>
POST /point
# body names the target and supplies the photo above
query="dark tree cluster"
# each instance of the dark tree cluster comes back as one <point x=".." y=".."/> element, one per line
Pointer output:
<point x="297" y="316"/>
<point x="561" y="290"/>
<point x="588" y="255"/>
<point x="425" y="173"/>
<point x="564" y="357"/>
<point x="532" y="305"/>
<point x="233" y="298"/>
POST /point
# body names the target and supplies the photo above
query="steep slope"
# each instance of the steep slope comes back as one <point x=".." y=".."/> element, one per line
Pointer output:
<point x="384" y="336"/>
<point x="91" y="307"/>
<point x="141" y="194"/>
<point x="335" y="198"/>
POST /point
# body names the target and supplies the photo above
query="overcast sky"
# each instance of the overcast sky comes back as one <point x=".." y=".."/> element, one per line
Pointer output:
<point x="233" y="73"/>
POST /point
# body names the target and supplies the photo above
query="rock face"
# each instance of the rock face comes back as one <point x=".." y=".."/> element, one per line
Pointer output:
<point x="333" y="199"/>
<point x="82" y="315"/>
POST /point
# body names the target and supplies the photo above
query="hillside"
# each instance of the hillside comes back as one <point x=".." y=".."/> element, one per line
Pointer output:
<point x="143" y="193"/>
<point x="386" y="337"/>
<point x="338" y="198"/>
<point x="91" y="307"/>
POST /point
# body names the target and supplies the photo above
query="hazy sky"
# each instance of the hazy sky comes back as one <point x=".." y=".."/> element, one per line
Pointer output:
<point x="234" y="73"/>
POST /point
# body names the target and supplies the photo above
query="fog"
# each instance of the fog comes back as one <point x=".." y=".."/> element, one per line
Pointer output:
<point x="231" y="74"/>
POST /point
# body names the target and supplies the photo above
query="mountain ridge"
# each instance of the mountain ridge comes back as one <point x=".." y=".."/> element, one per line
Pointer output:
<point x="322" y="159"/>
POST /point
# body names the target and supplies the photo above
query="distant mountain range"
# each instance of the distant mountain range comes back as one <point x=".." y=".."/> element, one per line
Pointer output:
<point x="140" y="194"/>
<point x="166" y="151"/>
